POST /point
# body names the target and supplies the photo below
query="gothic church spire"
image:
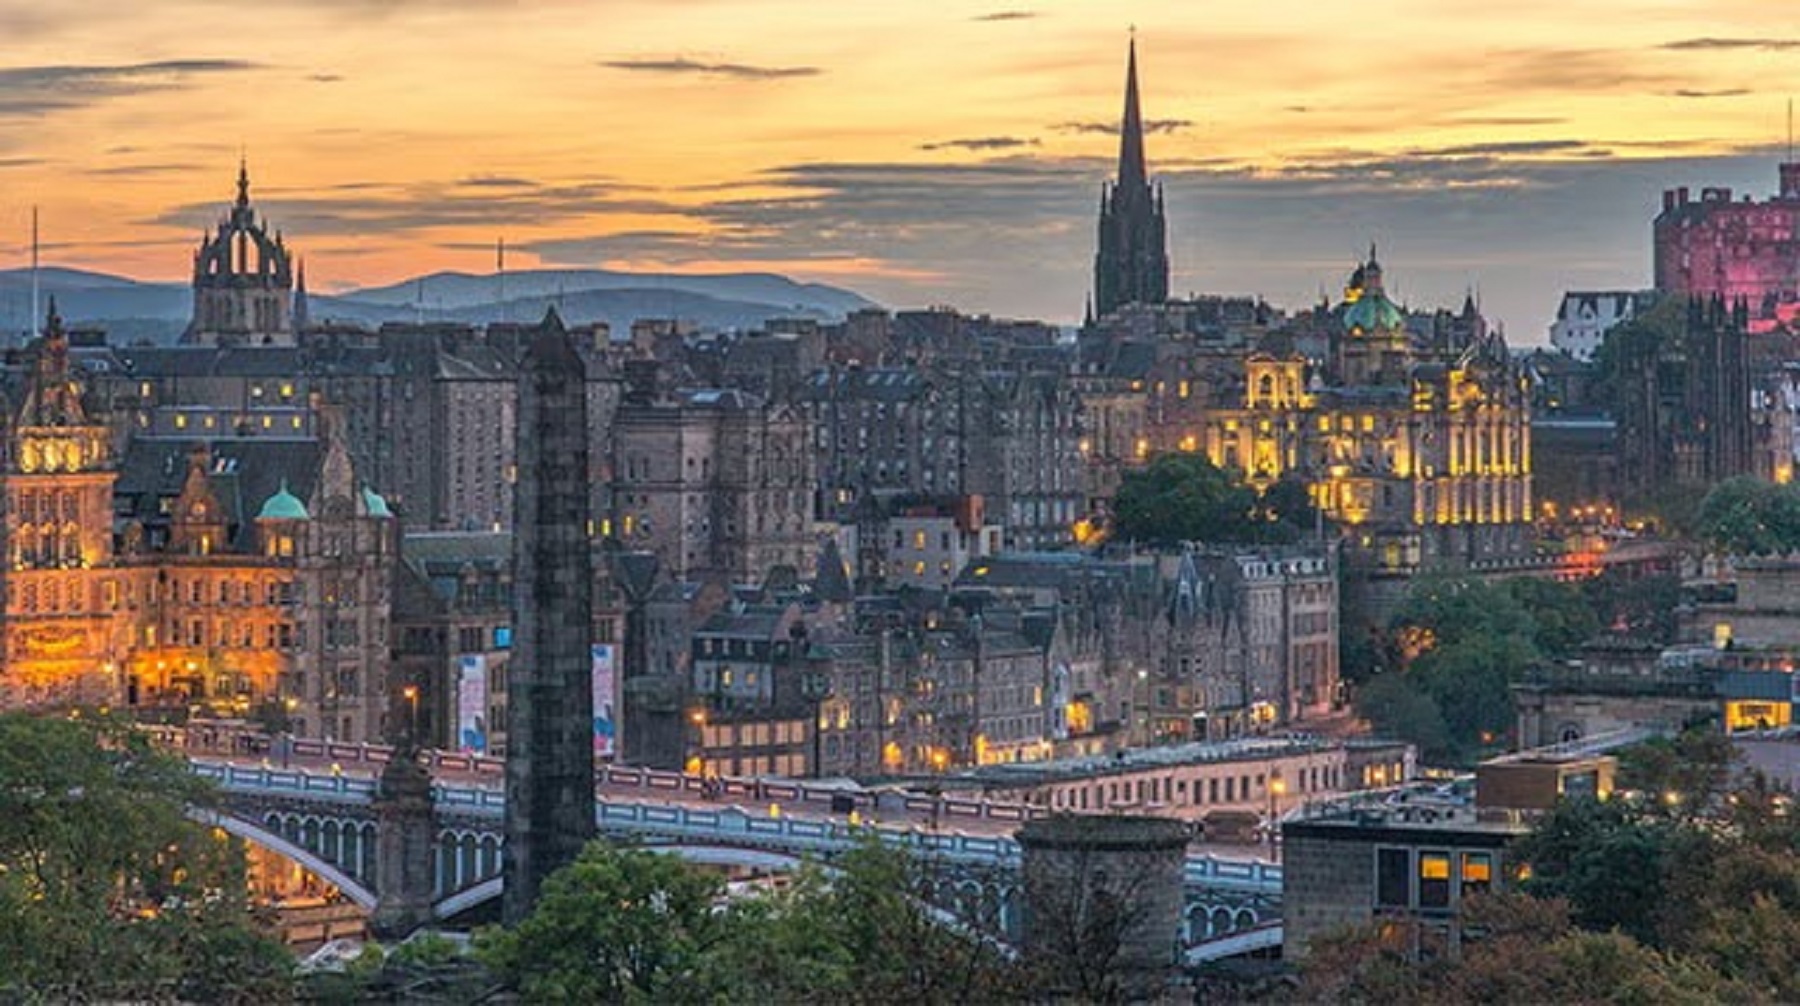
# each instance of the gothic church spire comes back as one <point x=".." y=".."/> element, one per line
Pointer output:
<point x="1132" y="262"/>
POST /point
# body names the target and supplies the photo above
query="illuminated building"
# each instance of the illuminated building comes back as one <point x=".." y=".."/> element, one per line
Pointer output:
<point x="1734" y="250"/>
<point x="221" y="592"/>
<point x="61" y="640"/>
<point x="1418" y="446"/>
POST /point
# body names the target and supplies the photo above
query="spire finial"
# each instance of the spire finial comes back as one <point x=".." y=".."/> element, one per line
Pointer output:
<point x="243" y="196"/>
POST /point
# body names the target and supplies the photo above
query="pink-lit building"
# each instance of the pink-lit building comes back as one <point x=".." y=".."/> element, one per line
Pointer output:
<point x="1742" y="249"/>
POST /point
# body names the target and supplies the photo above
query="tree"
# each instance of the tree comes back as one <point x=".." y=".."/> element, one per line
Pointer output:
<point x="1606" y="860"/>
<point x="107" y="887"/>
<point x="616" y="925"/>
<point x="624" y="925"/>
<point x="1180" y="498"/>
<point x="1747" y="516"/>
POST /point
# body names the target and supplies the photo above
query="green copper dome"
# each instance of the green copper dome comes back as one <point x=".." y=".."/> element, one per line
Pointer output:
<point x="1373" y="312"/>
<point x="283" y="505"/>
<point x="374" y="504"/>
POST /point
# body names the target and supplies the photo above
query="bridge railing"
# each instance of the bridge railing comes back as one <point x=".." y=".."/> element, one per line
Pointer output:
<point x="349" y="757"/>
<point x="729" y="823"/>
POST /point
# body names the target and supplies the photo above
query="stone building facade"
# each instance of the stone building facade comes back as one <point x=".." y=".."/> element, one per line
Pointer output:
<point x="1745" y="250"/>
<point x="188" y="576"/>
<point x="243" y="281"/>
<point x="715" y="483"/>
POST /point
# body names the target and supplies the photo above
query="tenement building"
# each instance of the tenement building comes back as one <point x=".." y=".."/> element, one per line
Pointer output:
<point x="715" y="482"/>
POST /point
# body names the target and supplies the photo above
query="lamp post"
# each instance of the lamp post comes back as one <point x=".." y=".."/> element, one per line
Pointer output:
<point x="1277" y="787"/>
<point x="696" y="765"/>
<point x="411" y="693"/>
<point x="1144" y="700"/>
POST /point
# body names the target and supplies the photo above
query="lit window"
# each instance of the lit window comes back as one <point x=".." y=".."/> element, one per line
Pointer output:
<point x="180" y="421"/>
<point x="1434" y="880"/>
<point x="1477" y="872"/>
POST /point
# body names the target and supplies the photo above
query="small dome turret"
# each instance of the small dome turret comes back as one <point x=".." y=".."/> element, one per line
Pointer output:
<point x="374" y="505"/>
<point x="284" y="505"/>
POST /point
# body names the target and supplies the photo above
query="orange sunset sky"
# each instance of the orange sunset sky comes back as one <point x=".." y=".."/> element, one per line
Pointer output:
<point x="926" y="151"/>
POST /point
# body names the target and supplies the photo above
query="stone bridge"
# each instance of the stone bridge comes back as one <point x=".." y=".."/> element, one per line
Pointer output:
<point x="326" y="820"/>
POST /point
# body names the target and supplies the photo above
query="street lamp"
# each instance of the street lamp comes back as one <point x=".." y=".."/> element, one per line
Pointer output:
<point x="1277" y="788"/>
<point x="1144" y="698"/>
<point x="411" y="693"/>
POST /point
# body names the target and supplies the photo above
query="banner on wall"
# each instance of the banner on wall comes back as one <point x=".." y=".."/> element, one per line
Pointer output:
<point x="471" y="705"/>
<point x="605" y="723"/>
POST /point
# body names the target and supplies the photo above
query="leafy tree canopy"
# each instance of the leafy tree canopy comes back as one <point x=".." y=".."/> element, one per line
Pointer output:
<point x="107" y="888"/>
<point x="1185" y="497"/>
<point x="624" y="925"/>
<point x="1747" y="516"/>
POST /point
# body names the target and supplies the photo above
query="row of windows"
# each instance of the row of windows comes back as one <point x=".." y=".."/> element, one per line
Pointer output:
<point x="1428" y="879"/>
<point x="1101" y="794"/>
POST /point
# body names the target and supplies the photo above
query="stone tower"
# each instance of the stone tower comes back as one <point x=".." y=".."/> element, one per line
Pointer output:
<point x="243" y="281"/>
<point x="550" y="729"/>
<point x="1132" y="265"/>
<point x="1103" y="902"/>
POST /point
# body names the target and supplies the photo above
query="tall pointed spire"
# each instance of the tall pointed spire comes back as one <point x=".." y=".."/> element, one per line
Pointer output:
<point x="1132" y="171"/>
<point x="1131" y="265"/>
<point x="243" y="196"/>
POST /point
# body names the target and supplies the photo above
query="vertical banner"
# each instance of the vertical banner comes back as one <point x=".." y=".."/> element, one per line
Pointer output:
<point x="605" y="723"/>
<point x="471" y="705"/>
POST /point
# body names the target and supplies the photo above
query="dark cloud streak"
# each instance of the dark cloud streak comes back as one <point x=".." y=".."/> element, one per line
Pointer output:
<point x="683" y="66"/>
<point x="979" y="143"/>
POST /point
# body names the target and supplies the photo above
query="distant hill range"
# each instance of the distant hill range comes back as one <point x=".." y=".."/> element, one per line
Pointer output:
<point x="131" y="311"/>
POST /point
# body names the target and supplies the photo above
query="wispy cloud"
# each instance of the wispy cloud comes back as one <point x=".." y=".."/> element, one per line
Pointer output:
<point x="1711" y="43"/>
<point x="1724" y="92"/>
<point x="40" y="90"/>
<point x="141" y="170"/>
<point x="680" y="65"/>
<point x="1112" y="128"/>
<point x="982" y="143"/>
<point x="351" y="208"/>
<point x="1006" y="15"/>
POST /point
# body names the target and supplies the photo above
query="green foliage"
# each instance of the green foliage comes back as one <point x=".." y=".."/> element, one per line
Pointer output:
<point x="1639" y="606"/>
<point x="1605" y="860"/>
<point x="1747" y="516"/>
<point x="1398" y="708"/>
<point x="1184" y="497"/>
<point x="622" y="925"/>
<point x="616" y="925"/>
<point x="1459" y="645"/>
<point x="107" y="888"/>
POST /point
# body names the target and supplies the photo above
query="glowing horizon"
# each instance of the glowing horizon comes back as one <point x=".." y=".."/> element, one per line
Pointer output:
<point x="916" y="153"/>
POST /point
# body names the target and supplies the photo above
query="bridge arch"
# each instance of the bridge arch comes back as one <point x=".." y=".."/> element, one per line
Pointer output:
<point x="328" y="871"/>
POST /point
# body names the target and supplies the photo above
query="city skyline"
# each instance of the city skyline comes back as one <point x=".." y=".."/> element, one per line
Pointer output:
<point x="917" y="156"/>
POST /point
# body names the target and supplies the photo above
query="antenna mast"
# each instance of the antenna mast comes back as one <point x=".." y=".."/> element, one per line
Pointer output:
<point x="34" y="273"/>
<point x="500" y="266"/>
